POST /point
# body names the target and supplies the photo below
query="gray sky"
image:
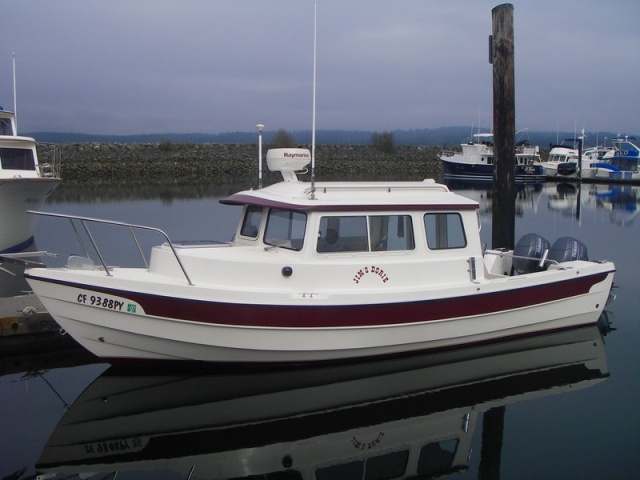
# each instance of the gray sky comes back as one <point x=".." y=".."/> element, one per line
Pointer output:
<point x="212" y="66"/>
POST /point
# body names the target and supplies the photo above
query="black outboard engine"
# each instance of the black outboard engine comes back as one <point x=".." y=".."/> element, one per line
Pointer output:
<point x="533" y="247"/>
<point x="567" y="168"/>
<point x="566" y="249"/>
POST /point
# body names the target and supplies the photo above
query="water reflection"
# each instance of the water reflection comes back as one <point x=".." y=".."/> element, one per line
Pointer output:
<point x="165" y="191"/>
<point x="570" y="199"/>
<point x="399" y="418"/>
<point x="623" y="201"/>
<point x="527" y="195"/>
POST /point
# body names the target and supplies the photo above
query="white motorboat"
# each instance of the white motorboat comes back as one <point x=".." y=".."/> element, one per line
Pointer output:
<point x="406" y="418"/>
<point x="324" y="271"/>
<point x="565" y="160"/>
<point x="475" y="162"/>
<point x="25" y="184"/>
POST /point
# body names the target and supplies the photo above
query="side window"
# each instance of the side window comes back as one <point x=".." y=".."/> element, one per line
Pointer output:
<point x="5" y="127"/>
<point x="444" y="231"/>
<point x="391" y="232"/>
<point x="437" y="457"/>
<point x="17" y="159"/>
<point x="285" y="228"/>
<point x="343" y="234"/>
<point x="251" y="222"/>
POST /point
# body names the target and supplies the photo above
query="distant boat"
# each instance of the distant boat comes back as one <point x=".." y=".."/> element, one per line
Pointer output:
<point x="621" y="162"/>
<point x="25" y="184"/>
<point x="476" y="161"/>
<point x="564" y="160"/>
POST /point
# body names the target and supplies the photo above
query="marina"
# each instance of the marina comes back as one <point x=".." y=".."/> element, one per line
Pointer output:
<point x="593" y="213"/>
<point x="321" y="272"/>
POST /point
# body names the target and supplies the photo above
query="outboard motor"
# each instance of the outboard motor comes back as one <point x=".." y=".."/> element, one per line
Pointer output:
<point x="533" y="247"/>
<point x="566" y="249"/>
<point x="567" y="168"/>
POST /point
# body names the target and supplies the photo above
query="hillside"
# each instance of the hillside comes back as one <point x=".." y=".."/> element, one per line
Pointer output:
<point x="441" y="137"/>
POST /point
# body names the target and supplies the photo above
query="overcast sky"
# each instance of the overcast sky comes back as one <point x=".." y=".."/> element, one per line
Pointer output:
<point x="212" y="66"/>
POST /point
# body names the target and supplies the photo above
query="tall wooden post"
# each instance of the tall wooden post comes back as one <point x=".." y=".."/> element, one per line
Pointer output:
<point x="501" y="55"/>
<point x="504" y="198"/>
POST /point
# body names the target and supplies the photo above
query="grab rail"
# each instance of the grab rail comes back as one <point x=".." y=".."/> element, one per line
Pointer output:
<point x="541" y="261"/>
<point x="84" y="220"/>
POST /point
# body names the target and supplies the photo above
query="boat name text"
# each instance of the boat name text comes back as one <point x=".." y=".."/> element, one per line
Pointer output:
<point x="370" y="270"/>
<point x="364" y="445"/>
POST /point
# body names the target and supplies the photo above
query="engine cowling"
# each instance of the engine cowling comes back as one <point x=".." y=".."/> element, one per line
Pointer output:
<point x="532" y="246"/>
<point x="566" y="249"/>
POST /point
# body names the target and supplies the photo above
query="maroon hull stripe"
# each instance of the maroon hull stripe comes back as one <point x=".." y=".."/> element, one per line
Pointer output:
<point x="350" y="315"/>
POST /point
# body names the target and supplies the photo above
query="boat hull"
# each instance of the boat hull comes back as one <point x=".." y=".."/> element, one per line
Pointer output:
<point x="484" y="172"/>
<point x="17" y="195"/>
<point x="124" y="324"/>
<point x="605" y="173"/>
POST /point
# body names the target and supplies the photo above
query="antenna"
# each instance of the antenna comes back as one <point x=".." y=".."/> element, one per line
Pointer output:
<point x="15" y="98"/>
<point x="313" y="108"/>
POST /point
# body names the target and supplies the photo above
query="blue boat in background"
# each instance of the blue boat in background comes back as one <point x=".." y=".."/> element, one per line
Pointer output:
<point x="622" y="162"/>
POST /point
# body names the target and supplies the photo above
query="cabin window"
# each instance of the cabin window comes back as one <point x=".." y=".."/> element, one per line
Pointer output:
<point x="444" y="231"/>
<point x="353" y="469"/>
<point x="343" y="234"/>
<point x="391" y="232"/>
<point x="285" y="228"/>
<point x="389" y="465"/>
<point x="437" y="457"/>
<point x="381" y="467"/>
<point x="5" y="126"/>
<point x="375" y="233"/>
<point x="251" y="222"/>
<point x="17" y="159"/>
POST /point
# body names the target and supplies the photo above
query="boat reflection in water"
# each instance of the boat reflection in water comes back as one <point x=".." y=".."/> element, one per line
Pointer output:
<point x="398" y="418"/>
<point x="527" y="195"/>
<point x="623" y="201"/>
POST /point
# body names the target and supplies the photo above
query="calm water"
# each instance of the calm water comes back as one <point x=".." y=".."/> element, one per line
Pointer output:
<point x="568" y="403"/>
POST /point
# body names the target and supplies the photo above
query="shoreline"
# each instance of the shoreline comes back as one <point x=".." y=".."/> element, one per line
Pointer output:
<point x="134" y="162"/>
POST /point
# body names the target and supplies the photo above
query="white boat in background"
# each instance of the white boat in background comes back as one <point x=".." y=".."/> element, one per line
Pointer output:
<point x="565" y="162"/>
<point x="323" y="272"/>
<point x="595" y="154"/>
<point x="475" y="162"/>
<point x="25" y="184"/>
<point x="404" y="418"/>
<point x="622" y="162"/>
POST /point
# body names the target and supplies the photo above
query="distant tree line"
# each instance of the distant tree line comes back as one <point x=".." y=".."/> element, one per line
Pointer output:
<point x="443" y="137"/>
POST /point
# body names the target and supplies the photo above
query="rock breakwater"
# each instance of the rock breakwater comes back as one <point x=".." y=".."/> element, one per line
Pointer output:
<point x="113" y="162"/>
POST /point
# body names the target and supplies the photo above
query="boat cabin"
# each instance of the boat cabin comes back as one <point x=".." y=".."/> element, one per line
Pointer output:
<point x="364" y="232"/>
<point x="18" y="155"/>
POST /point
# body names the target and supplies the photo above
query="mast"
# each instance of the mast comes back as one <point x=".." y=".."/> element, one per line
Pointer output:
<point x="15" y="97"/>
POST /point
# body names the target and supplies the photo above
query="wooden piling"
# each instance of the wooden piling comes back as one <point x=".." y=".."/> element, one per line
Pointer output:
<point x="504" y="131"/>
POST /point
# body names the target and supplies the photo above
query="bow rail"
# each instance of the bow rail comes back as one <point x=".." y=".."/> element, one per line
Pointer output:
<point x="76" y="220"/>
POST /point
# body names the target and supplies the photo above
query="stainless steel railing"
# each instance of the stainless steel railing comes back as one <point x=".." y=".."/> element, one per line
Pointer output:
<point x="77" y="221"/>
